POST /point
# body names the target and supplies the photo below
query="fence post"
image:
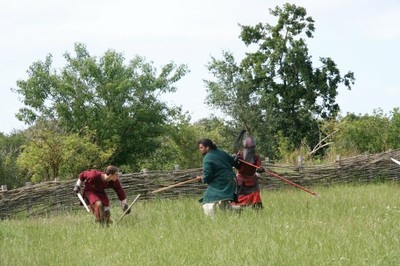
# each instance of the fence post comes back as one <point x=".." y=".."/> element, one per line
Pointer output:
<point x="338" y="168"/>
<point x="4" y="201"/>
<point x="337" y="160"/>
<point x="267" y="160"/>
<point x="28" y="187"/>
<point x="57" y="193"/>
<point x="177" y="167"/>
<point x="300" y="165"/>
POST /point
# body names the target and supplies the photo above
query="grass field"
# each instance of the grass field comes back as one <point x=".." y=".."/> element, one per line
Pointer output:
<point x="344" y="225"/>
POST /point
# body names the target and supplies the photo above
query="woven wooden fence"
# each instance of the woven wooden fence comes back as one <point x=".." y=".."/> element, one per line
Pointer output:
<point x="57" y="196"/>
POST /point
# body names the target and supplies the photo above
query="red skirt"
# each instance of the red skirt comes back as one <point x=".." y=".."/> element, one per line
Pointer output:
<point x="248" y="200"/>
<point x="96" y="196"/>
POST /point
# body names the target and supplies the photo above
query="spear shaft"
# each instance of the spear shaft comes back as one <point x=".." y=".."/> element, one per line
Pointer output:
<point x="175" y="185"/>
<point x="283" y="179"/>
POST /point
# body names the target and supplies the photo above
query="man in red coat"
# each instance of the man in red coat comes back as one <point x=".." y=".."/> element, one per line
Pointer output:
<point x="95" y="182"/>
<point x="247" y="179"/>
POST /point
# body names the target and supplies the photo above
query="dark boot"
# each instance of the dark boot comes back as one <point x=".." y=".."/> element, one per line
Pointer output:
<point x="108" y="217"/>
<point x="258" y="206"/>
<point x="99" y="213"/>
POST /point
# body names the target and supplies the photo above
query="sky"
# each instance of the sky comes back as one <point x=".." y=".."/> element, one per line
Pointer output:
<point x="361" y="36"/>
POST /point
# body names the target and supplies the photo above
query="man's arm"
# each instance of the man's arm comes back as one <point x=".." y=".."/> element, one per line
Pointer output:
<point x="79" y="182"/>
<point x="119" y="190"/>
<point x="121" y="195"/>
<point x="208" y="174"/>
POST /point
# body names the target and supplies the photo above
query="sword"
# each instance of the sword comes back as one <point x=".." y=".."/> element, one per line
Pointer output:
<point x="83" y="202"/>
<point x="394" y="160"/>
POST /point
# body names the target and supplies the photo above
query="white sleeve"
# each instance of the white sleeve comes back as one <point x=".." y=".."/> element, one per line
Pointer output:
<point x="79" y="182"/>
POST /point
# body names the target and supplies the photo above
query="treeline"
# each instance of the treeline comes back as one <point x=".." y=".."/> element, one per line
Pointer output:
<point x="44" y="152"/>
<point x="104" y="110"/>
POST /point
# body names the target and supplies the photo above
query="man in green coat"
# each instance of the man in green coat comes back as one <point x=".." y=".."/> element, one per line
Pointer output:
<point x="219" y="175"/>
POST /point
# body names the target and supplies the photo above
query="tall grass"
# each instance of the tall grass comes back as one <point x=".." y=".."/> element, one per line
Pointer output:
<point x="344" y="225"/>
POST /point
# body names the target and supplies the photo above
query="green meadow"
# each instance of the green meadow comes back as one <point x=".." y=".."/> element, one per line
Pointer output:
<point x="343" y="225"/>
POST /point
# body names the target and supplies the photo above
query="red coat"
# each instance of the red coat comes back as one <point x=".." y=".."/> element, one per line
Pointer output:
<point x="94" y="189"/>
<point x="246" y="173"/>
<point x="249" y="191"/>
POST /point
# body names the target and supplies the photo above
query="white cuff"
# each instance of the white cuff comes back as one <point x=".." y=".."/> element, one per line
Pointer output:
<point x="79" y="182"/>
<point x="123" y="202"/>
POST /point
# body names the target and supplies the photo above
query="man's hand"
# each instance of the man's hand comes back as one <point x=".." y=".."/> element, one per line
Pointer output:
<point x="199" y="178"/>
<point x="125" y="207"/>
<point x="260" y="170"/>
<point x="236" y="158"/>
<point x="236" y="161"/>
<point x="76" y="189"/>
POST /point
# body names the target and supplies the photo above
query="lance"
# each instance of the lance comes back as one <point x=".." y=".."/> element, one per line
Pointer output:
<point x="283" y="179"/>
<point x="175" y="185"/>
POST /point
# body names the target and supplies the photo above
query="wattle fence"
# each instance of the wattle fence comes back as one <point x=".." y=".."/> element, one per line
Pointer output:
<point x="57" y="196"/>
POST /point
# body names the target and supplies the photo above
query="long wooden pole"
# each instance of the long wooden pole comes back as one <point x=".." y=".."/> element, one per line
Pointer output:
<point x="284" y="179"/>
<point x="175" y="185"/>
<point x="130" y="206"/>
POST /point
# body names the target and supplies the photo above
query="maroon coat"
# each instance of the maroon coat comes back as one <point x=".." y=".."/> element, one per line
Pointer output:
<point x="94" y="189"/>
<point x="246" y="173"/>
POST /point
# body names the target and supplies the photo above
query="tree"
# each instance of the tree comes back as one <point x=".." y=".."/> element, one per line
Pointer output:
<point x="367" y="133"/>
<point x="119" y="103"/>
<point x="51" y="153"/>
<point x="10" y="149"/>
<point x="179" y="143"/>
<point x="276" y="88"/>
<point x="394" y="129"/>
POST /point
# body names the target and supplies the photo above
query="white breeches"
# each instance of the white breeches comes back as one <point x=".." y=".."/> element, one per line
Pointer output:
<point x="210" y="208"/>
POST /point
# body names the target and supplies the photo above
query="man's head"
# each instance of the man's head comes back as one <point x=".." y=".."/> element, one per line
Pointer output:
<point x="111" y="173"/>
<point x="205" y="145"/>
<point x="249" y="145"/>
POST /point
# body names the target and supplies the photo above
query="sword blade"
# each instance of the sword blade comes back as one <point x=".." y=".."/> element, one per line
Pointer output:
<point x="83" y="201"/>
<point x="394" y="160"/>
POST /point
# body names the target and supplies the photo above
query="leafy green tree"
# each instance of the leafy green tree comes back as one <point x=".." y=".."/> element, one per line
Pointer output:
<point x="179" y="144"/>
<point x="221" y="132"/>
<point x="185" y="135"/>
<point x="276" y="88"/>
<point x="51" y="153"/>
<point x="10" y="148"/>
<point x="118" y="102"/>
<point x="394" y="129"/>
<point x="374" y="133"/>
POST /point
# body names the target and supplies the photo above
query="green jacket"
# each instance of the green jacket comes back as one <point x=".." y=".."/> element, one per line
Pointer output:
<point x="219" y="175"/>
